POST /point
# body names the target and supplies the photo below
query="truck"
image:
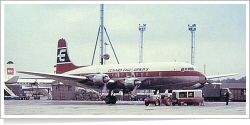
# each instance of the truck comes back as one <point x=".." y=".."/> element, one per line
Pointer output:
<point x="173" y="97"/>
<point x="215" y="92"/>
<point x="188" y="97"/>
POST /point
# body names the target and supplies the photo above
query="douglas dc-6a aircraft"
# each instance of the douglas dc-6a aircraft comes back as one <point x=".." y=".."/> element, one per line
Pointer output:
<point x="126" y="77"/>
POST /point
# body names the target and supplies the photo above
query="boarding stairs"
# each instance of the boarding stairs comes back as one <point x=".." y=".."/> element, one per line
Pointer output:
<point x="6" y="88"/>
<point x="45" y="91"/>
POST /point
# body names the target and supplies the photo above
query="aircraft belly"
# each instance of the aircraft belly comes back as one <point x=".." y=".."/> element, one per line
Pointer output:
<point x="173" y="82"/>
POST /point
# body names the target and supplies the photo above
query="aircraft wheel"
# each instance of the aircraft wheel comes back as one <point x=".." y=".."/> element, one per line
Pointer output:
<point x="146" y="103"/>
<point x="107" y="100"/>
<point x="113" y="99"/>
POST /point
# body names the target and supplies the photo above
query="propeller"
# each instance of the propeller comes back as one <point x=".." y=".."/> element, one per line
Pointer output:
<point x="104" y="90"/>
<point x="137" y="84"/>
<point x="133" y="93"/>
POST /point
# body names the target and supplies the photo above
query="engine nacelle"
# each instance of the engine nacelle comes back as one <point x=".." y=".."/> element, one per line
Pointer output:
<point x="100" y="79"/>
<point x="131" y="82"/>
<point x="197" y="85"/>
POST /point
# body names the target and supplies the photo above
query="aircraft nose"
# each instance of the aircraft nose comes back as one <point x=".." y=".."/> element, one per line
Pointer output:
<point x="202" y="79"/>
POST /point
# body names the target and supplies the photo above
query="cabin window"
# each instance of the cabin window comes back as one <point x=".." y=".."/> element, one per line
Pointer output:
<point x="141" y="74"/>
<point x="136" y="74"/>
<point x="116" y="75"/>
<point x="190" y="68"/>
<point x="160" y="74"/>
<point x="183" y="94"/>
<point x="182" y="69"/>
<point x="147" y="74"/>
<point x="190" y="94"/>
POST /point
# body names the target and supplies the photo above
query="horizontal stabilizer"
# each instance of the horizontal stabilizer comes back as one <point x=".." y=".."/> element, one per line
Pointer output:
<point x="219" y="76"/>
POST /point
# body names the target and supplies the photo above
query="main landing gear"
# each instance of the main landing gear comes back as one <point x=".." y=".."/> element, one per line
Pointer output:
<point x="110" y="99"/>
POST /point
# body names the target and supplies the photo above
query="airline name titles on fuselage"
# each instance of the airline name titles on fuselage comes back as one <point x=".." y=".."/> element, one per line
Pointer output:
<point x="128" y="70"/>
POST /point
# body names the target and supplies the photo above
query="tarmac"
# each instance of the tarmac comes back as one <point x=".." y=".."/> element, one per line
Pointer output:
<point x="122" y="109"/>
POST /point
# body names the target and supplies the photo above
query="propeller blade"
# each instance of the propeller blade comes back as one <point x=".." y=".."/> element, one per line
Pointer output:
<point x="133" y="93"/>
<point x="133" y="74"/>
<point x="104" y="90"/>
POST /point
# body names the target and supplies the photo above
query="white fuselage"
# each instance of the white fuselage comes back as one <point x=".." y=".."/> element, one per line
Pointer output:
<point x="163" y="75"/>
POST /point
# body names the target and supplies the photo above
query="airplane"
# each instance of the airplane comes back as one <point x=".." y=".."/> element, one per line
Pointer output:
<point x="126" y="77"/>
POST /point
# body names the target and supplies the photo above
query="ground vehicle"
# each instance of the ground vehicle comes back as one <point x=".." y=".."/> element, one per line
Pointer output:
<point x="214" y="92"/>
<point x="158" y="99"/>
<point x="189" y="97"/>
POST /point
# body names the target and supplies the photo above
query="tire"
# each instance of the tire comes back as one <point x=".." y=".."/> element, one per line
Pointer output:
<point x="107" y="100"/>
<point x="179" y="103"/>
<point x="173" y="103"/>
<point x="168" y="102"/>
<point x="196" y="104"/>
<point x="113" y="99"/>
<point x="157" y="103"/>
<point x="146" y="103"/>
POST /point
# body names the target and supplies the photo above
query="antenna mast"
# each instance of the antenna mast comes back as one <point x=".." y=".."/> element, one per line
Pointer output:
<point x="103" y="55"/>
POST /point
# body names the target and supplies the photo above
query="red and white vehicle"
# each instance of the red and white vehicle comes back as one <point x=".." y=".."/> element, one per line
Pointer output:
<point x="188" y="97"/>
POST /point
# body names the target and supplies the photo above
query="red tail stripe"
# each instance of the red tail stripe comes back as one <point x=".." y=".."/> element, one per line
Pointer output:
<point x="61" y="43"/>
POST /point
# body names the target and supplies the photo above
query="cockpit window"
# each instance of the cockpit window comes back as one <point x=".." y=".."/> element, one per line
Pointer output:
<point x="187" y="69"/>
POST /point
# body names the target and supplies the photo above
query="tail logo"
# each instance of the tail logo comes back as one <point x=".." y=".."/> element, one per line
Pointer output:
<point x="62" y="55"/>
<point x="10" y="71"/>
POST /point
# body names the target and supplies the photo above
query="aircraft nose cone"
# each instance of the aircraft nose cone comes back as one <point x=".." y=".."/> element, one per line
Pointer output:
<point x="202" y="79"/>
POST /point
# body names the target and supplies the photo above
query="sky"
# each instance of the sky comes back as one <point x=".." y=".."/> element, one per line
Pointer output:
<point x="31" y="32"/>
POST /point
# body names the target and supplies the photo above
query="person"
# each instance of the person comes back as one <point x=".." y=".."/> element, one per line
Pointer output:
<point x="227" y="97"/>
<point x="203" y="99"/>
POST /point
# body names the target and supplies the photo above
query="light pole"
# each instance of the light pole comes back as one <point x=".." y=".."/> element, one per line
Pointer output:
<point x="142" y="28"/>
<point x="192" y="29"/>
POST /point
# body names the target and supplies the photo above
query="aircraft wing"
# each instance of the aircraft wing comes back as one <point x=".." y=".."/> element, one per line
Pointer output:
<point x="57" y="77"/>
<point x="218" y="76"/>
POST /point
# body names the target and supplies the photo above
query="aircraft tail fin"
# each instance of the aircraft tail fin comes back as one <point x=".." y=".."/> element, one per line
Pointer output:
<point x="64" y="63"/>
<point x="10" y="70"/>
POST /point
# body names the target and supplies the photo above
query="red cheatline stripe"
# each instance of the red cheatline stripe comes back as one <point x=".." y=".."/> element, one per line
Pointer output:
<point x="155" y="74"/>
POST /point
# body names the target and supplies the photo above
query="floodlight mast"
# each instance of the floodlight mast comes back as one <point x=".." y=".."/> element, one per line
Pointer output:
<point x="192" y="29"/>
<point x="142" y="28"/>
<point x="102" y="60"/>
